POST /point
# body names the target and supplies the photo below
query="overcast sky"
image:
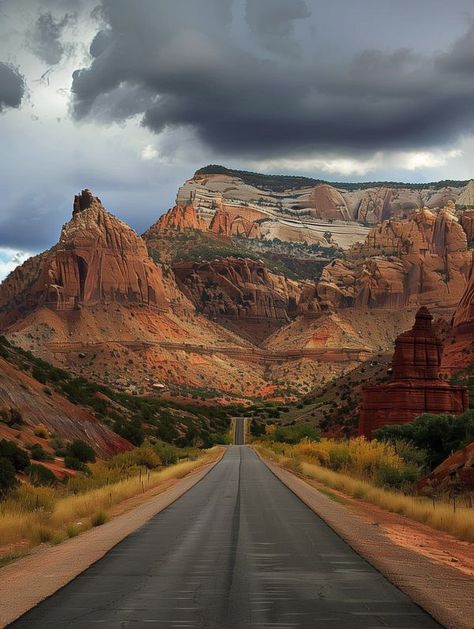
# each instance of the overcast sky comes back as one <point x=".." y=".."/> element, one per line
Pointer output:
<point x="130" y="98"/>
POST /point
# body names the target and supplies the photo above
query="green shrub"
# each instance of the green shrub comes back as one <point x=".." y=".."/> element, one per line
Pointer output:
<point x="168" y="454"/>
<point x="99" y="518"/>
<point x="82" y="451"/>
<point x="145" y="456"/>
<point x="218" y="438"/>
<point x="295" y="434"/>
<point x="7" y="477"/>
<point x="72" y="463"/>
<point x="38" y="453"/>
<point x="437" y="435"/>
<point x="389" y="476"/>
<point x="40" y="374"/>
<point x="40" y="475"/>
<point x="17" y="457"/>
<point x="130" y="430"/>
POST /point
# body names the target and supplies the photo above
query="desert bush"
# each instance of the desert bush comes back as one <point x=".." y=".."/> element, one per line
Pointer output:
<point x="218" y="438"/>
<point x="99" y="518"/>
<point x="75" y="464"/>
<point x="144" y="456"/>
<point x="81" y="450"/>
<point x="38" y="453"/>
<point x="17" y="457"/>
<point x="437" y="435"/>
<point x="374" y="460"/>
<point x="40" y="475"/>
<point x="295" y="434"/>
<point x="41" y="431"/>
<point x="7" y="477"/>
<point x="168" y="454"/>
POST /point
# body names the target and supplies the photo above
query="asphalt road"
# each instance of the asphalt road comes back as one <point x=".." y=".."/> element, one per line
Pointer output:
<point x="239" y="550"/>
<point x="239" y="436"/>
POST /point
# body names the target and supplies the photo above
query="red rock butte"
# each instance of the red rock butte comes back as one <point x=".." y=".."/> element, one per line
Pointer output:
<point x="416" y="385"/>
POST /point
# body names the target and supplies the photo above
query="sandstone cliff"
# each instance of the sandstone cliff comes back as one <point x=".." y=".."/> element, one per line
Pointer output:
<point x="178" y="219"/>
<point x="98" y="259"/>
<point x="308" y="204"/>
<point x="238" y="288"/>
<point x="421" y="260"/>
<point x="459" y="346"/>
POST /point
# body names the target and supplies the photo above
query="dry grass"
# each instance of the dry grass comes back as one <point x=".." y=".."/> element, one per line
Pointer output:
<point x="378" y="462"/>
<point x="39" y="516"/>
<point x="439" y="515"/>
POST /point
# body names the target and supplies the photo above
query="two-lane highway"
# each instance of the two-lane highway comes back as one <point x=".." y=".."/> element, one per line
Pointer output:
<point x="239" y="550"/>
<point x="239" y="431"/>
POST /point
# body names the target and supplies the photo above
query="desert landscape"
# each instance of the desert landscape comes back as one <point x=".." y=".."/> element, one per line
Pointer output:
<point x="236" y="314"/>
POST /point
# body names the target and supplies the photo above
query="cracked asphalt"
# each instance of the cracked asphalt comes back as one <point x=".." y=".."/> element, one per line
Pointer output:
<point x="238" y="550"/>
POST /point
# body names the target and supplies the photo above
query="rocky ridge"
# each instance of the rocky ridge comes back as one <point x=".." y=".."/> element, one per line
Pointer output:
<point x="241" y="291"/>
<point x="98" y="259"/>
<point x="51" y="412"/>
<point x="421" y="260"/>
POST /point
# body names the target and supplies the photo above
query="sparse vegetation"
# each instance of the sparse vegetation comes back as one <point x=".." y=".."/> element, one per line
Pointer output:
<point x="438" y="435"/>
<point x="42" y="514"/>
<point x="381" y="463"/>
<point x="439" y="515"/>
<point x="280" y="183"/>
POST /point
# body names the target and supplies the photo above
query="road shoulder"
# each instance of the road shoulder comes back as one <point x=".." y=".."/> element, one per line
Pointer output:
<point x="444" y="592"/>
<point x="28" y="581"/>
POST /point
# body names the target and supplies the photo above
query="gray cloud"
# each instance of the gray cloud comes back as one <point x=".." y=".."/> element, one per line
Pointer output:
<point x="190" y="70"/>
<point x="272" y="21"/>
<point x="45" y="37"/>
<point x="12" y="87"/>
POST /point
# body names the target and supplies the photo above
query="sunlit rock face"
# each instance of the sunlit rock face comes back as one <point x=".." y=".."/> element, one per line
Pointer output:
<point x="178" y="219"/>
<point x="99" y="259"/>
<point x="459" y="350"/>
<point x="420" y="260"/>
<point x="416" y="386"/>
<point x="238" y="288"/>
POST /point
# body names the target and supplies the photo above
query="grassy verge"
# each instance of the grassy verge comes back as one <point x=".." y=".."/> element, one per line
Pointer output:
<point x="439" y="515"/>
<point x="36" y="516"/>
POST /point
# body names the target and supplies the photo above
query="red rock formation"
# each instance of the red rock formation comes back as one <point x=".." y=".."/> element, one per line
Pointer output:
<point x="227" y="225"/>
<point x="456" y="472"/>
<point x="375" y="206"/>
<point x="237" y="288"/>
<point x="467" y="222"/>
<point x="20" y="391"/>
<point x="423" y="260"/>
<point x="178" y="219"/>
<point x="328" y="203"/>
<point x="459" y="349"/>
<point x="98" y="259"/>
<point x="416" y="386"/>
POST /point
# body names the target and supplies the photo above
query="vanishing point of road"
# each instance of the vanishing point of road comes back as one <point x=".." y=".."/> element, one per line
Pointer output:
<point x="237" y="551"/>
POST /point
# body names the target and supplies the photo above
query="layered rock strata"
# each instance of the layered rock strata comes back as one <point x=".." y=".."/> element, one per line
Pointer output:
<point x="98" y="259"/>
<point x="237" y="288"/>
<point x="421" y="260"/>
<point x="416" y="386"/>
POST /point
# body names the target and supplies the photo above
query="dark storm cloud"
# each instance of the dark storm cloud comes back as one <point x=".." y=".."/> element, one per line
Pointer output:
<point x="12" y="87"/>
<point x="460" y="59"/>
<point x="45" y="37"/>
<point x="189" y="69"/>
<point x="272" y="22"/>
